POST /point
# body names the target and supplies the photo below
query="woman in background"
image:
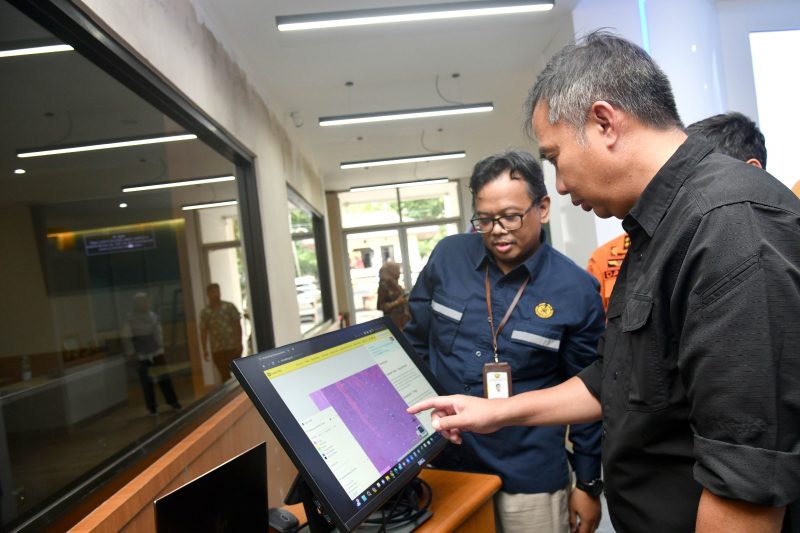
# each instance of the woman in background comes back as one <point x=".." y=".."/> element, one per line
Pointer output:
<point x="391" y="297"/>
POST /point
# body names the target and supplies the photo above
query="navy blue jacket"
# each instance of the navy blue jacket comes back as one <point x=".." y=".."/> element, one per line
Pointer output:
<point x="450" y="331"/>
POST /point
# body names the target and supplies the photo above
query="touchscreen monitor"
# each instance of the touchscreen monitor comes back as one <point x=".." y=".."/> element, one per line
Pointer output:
<point x="337" y="404"/>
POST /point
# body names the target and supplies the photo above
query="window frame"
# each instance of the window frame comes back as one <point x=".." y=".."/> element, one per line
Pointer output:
<point x="323" y="265"/>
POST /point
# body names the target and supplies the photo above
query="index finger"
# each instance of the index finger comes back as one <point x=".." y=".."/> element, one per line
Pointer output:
<point x="437" y="402"/>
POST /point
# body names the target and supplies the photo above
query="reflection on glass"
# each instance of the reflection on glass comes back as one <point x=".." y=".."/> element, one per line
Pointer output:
<point x="102" y="288"/>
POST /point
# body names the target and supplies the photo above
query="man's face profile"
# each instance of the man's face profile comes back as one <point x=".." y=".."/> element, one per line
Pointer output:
<point x="579" y="169"/>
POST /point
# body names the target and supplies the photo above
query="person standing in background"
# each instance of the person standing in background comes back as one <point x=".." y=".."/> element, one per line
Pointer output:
<point x="392" y="299"/>
<point x="141" y="336"/>
<point x="220" y="323"/>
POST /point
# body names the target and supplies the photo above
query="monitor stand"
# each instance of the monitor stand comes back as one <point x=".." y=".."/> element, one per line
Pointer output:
<point x="318" y="522"/>
<point x="300" y="492"/>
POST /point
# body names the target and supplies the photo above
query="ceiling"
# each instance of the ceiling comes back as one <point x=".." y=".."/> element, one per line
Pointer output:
<point x="63" y="99"/>
<point x="392" y="66"/>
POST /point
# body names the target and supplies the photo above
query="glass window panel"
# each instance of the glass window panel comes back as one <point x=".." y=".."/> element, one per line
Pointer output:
<point x="369" y="208"/>
<point x="306" y="266"/>
<point x="367" y="252"/>
<point x="421" y="242"/>
<point x="429" y="202"/>
<point x="104" y="287"/>
<point x="219" y="224"/>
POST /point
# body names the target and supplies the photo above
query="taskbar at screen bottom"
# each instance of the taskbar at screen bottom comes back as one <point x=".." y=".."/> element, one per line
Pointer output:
<point x="413" y="457"/>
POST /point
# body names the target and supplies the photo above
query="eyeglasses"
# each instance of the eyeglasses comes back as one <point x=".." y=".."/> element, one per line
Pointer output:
<point x="507" y="222"/>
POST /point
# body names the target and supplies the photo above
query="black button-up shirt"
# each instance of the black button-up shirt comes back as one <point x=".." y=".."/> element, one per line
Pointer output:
<point x="699" y="376"/>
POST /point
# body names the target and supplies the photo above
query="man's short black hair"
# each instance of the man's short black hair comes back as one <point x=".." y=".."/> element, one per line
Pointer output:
<point x="735" y="135"/>
<point x="520" y="164"/>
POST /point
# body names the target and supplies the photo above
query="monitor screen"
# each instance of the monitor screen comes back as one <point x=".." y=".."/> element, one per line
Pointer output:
<point x="232" y="497"/>
<point x="337" y="403"/>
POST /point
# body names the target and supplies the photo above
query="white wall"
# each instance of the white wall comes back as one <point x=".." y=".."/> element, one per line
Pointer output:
<point x="170" y="38"/>
<point x="737" y="18"/>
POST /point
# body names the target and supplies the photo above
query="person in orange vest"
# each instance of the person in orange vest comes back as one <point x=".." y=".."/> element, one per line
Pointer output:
<point x="731" y="134"/>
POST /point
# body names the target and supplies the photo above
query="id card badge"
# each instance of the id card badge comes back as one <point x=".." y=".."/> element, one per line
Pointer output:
<point x="496" y="380"/>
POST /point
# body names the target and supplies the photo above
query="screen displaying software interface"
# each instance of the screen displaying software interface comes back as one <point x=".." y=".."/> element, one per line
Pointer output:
<point x="351" y="400"/>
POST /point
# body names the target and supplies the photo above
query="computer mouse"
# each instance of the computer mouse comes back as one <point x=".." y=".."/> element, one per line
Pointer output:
<point x="282" y="520"/>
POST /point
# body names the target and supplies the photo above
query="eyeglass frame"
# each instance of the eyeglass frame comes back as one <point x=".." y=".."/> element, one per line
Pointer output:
<point x="497" y="220"/>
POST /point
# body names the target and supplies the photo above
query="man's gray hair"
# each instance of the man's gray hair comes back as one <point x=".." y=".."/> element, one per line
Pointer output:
<point x="603" y="66"/>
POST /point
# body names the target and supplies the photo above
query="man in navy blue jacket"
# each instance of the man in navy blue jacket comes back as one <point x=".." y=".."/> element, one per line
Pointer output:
<point x="545" y="317"/>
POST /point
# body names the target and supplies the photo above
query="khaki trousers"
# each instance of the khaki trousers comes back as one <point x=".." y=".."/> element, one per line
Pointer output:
<point x="532" y="513"/>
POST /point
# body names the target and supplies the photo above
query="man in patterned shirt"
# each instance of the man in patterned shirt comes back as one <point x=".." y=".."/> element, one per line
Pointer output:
<point x="220" y="322"/>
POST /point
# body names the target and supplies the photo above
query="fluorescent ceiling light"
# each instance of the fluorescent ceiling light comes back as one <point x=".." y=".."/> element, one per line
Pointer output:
<point x="211" y="204"/>
<point x="382" y="116"/>
<point x="19" y="171"/>
<point x="36" y="50"/>
<point x="39" y="152"/>
<point x="338" y="19"/>
<point x="170" y="184"/>
<point x="399" y="185"/>
<point x="400" y="160"/>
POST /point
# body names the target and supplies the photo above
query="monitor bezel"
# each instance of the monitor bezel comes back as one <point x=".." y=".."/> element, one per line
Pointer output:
<point x="300" y="449"/>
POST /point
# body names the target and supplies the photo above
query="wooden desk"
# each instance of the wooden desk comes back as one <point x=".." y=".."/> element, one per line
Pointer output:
<point x="461" y="502"/>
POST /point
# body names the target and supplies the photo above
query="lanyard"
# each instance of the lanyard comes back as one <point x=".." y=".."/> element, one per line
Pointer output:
<point x="508" y="313"/>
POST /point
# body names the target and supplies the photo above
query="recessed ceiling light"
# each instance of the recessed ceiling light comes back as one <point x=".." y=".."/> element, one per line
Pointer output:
<point x="123" y="205"/>
<point x="36" y="50"/>
<point x="19" y="171"/>
<point x="383" y="116"/>
<point x="400" y="160"/>
<point x="208" y="205"/>
<point x="359" y="17"/>
<point x="39" y="152"/>
<point x="171" y="184"/>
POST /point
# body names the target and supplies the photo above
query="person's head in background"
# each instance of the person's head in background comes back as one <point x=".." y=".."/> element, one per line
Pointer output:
<point x="735" y="135"/>
<point x="390" y="271"/>
<point x="213" y="293"/>
<point x="141" y="302"/>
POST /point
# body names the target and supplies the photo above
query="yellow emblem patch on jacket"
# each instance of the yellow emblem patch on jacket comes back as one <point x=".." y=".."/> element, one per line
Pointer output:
<point x="544" y="310"/>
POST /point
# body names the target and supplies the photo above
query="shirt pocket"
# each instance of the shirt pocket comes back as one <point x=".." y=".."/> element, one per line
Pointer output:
<point x="646" y="386"/>
<point x="448" y="313"/>
<point x="536" y="347"/>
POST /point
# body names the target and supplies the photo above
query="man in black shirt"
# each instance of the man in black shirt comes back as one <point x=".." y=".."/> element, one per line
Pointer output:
<point x="698" y="384"/>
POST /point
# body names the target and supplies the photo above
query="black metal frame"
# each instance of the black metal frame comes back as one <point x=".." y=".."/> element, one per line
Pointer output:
<point x="67" y="22"/>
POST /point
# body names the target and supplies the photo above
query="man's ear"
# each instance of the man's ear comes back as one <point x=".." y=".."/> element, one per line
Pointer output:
<point x="754" y="162"/>
<point x="605" y="121"/>
<point x="544" y="209"/>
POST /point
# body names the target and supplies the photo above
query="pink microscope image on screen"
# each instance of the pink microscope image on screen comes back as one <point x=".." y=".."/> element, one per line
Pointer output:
<point x="375" y="413"/>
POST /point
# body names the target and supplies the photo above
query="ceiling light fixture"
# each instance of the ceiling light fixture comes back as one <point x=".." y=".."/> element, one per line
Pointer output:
<point x="400" y="160"/>
<point x="39" y="152"/>
<point x="36" y="50"/>
<point x="171" y="184"/>
<point x="19" y="171"/>
<point x="383" y="116"/>
<point x="338" y="19"/>
<point x="418" y="183"/>
<point x="208" y="205"/>
<point x="123" y="205"/>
